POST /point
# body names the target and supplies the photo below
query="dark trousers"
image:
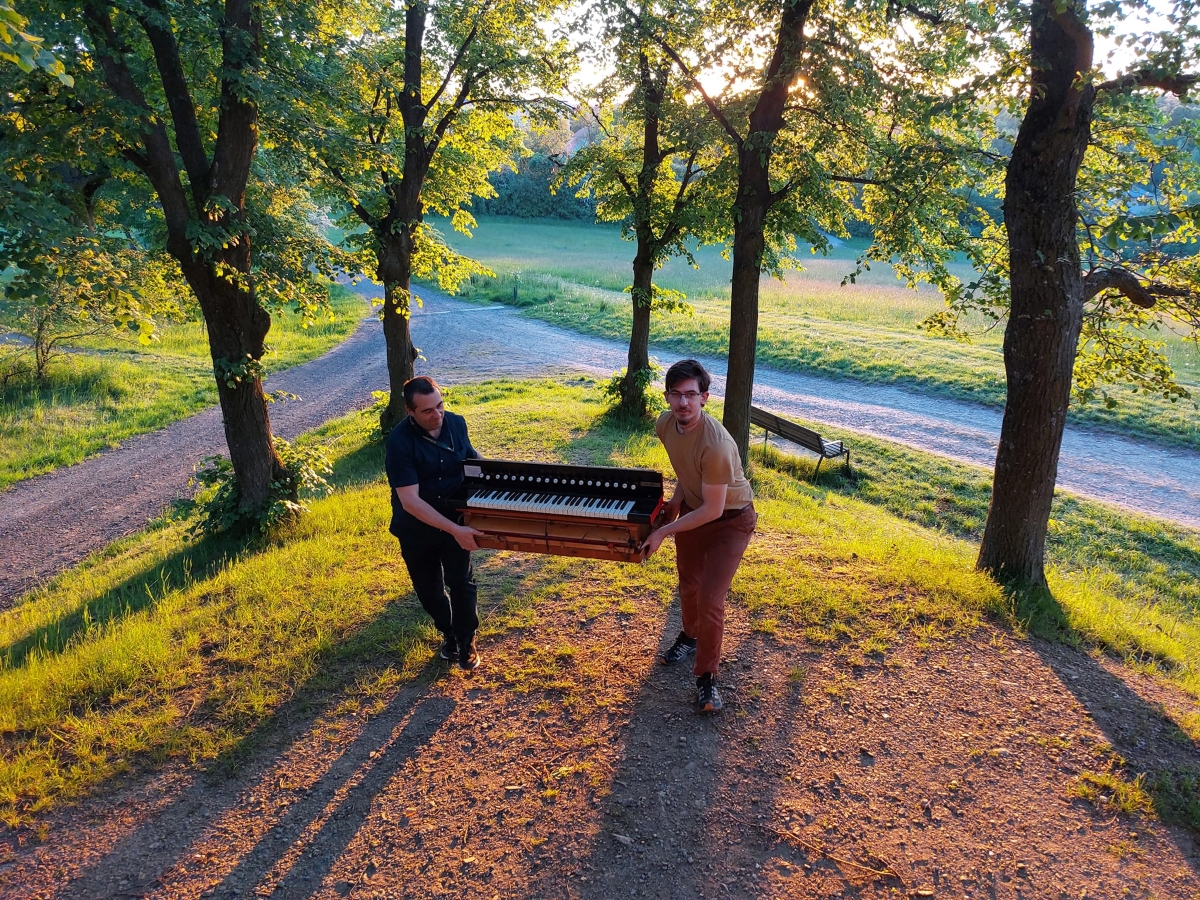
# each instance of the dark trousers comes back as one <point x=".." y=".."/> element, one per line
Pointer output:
<point x="707" y="559"/>
<point x="436" y="563"/>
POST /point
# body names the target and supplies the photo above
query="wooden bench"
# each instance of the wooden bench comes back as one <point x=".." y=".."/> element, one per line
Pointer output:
<point x="798" y="434"/>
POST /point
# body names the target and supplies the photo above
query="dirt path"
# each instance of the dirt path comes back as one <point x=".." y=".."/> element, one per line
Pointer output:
<point x="51" y="522"/>
<point x="584" y="776"/>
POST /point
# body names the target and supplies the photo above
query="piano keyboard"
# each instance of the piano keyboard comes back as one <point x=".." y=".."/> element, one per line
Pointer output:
<point x="565" y="510"/>
<point x="554" y="504"/>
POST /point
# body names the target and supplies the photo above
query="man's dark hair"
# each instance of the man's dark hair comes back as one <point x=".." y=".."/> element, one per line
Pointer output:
<point x="685" y="369"/>
<point x="422" y="384"/>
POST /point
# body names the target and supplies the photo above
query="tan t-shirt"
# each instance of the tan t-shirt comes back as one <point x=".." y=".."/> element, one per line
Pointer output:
<point x="704" y="455"/>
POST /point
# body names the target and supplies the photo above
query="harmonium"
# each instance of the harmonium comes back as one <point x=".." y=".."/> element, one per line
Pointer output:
<point x="563" y="510"/>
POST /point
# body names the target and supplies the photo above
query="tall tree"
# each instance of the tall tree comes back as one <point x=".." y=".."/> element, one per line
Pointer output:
<point x="414" y="116"/>
<point x="832" y="112"/>
<point x="169" y="95"/>
<point x="1050" y="289"/>
<point x="646" y="172"/>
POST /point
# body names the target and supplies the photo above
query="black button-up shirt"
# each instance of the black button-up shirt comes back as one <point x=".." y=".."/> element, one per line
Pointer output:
<point x="413" y="457"/>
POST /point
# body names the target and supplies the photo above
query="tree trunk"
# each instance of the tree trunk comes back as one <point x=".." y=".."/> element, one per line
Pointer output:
<point x="754" y="199"/>
<point x="395" y="271"/>
<point x="237" y="324"/>
<point x="1042" y="337"/>
<point x="748" y="243"/>
<point x="633" y="398"/>
<point x="237" y="330"/>
<point x="652" y="86"/>
<point x="396" y="232"/>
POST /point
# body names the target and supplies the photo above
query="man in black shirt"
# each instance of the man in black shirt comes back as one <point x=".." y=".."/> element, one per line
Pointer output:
<point x="425" y="454"/>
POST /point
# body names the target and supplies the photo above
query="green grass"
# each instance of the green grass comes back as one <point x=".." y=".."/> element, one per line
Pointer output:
<point x="1126" y="583"/>
<point x="1112" y="791"/>
<point x="573" y="276"/>
<point x="114" y="390"/>
<point x="162" y="648"/>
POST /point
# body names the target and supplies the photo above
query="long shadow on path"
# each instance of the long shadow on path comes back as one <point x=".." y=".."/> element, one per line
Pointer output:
<point x="297" y="795"/>
<point x="940" y="768"/>
<point x="342" y="799"/>
<point x="1143" y="734"/>
<point x="689" y="790"/>
<point x="141" y="591"/>
<point x="53" y="521"/>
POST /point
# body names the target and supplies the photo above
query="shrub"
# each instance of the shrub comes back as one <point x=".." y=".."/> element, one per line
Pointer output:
<point x="218" y="501"/>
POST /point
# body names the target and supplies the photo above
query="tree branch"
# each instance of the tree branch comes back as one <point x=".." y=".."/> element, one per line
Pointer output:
<point x="359" y="209"/>
<point x="179" y="99"/>
<point x="689" y="172"/>
<point x="156" y="158"/>
<point x="520" y="102"/>
<point x="1121" y="280"/>
<point x="452" y="113"/>
<point x="713" y="108"/>
<point x="1169" y="83"/>
<point x="131" y="155"/>
<point x="625" y="183"/>
<point x="780" y="194"/>
<point x="856" y="179"/>
<point x="458" y="57"/>
<point x="237" y="128"/>
<point x="895" y="9"/>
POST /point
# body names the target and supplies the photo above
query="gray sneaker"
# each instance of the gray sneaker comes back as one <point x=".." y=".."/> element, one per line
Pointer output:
<point x="708" y="698"/>
<point x="683" y="647"/>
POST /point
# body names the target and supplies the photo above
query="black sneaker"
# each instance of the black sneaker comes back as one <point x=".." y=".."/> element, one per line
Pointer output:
<point x="683" y="647"/>
<point x="468" y="656"/>
<point x="708" y="698"/>
<point x="449" y="651"/>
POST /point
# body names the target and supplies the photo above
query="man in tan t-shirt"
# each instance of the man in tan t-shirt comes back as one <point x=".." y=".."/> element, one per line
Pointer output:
<point x="712" y="517"/>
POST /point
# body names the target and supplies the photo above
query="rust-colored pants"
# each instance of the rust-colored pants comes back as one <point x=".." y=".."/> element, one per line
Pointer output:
<point x="707" y="558"/>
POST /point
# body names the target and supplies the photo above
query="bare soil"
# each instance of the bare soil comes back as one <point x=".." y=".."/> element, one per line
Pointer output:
<point x="571" y="766"/>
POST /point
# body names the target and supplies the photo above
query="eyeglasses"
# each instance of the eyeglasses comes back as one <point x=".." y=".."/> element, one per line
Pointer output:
<point x="676" y="396"/>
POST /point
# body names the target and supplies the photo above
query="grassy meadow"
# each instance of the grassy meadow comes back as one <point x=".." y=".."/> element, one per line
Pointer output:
<point x="573" y="275"/>
<point x="159" y="647"/>
<point x="108" y="389"/>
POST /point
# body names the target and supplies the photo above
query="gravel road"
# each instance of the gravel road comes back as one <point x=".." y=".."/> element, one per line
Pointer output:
<point x="51" y="522"/>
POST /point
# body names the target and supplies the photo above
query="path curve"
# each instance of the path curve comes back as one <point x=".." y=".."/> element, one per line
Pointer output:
<point x="1153" y="480"/>
<point x="51" y="522"/>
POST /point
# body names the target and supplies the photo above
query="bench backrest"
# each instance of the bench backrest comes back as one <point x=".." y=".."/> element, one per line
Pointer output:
<point x="805" y="437"/>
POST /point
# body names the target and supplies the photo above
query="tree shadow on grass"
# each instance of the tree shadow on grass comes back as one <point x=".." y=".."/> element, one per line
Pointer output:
<point x="1155" y="754"/>
<point x="142" y="591"/>
<point x="359" y="467"/>
<point x="312" y="830"/>
<point x="953" y="497"/>
<point x="610" y="432"/>
<point x="192" y="562"/>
